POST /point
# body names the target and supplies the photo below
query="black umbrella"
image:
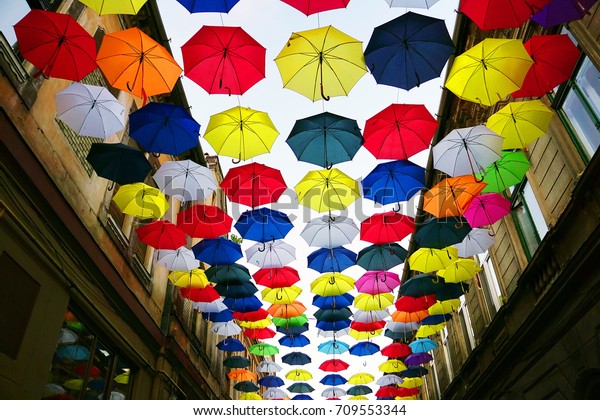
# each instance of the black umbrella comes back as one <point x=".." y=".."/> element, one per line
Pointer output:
<point x="246" y="386"/>
<point x="441" y="233"/>
<point x="296" y="358"/>
<point x="119" y="163"/>
<point x="236" y="362"/>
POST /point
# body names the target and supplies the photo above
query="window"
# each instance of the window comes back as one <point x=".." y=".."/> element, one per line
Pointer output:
<point x="528" y="217"/>
<point x="490" y="286"/>
<point x="465" y="325"/>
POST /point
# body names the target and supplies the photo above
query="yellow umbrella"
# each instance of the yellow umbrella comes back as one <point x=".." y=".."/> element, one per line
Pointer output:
<point x="298" y="375"/>
<point x="392" y="366"/>
<point x="122" y="378"/>
<point x="459" y="270"/>
<point x="332" y="284"/>
<point x="358" y="397"/>
<point x="114" y="7"/>
<point x="241" y="133"/>
<point x="321" y="63"/>
<point x="361" y="378"/>
<point x="241" y="375"/>
<point x="410" y="397"/>
<point x="141" y="200"/>
<point x="427" y="260"/>
<point x="411" y="383"/>
<point x="262" y="323"/>
<point x="428" y="330"/>
<point x="74" y="384"/>
<point x="194" y="279"/>
<point x="250" y="396"/>
<point x="489" y="71"/>
<point x="327" y="189"/>
<point x="281" y="295"/>
<point x="366" y="302"/>
<point x="521" y="123"/>
<point x="443" y="307"/>
<point x="364" y="335"/>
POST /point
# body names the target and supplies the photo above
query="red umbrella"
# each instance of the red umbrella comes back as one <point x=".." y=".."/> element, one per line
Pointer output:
<point x="387" y="391"/>
<point x="408" y="392"/>
<point x="399" y="131"/>
<point x="206" y="294"/>
<point x="93" y="372"/>
<point x="333" y="365"/>
<point x="309" y="7"/>
<point x="223" y="60"/>
<point x="554" y="58"/>
<point x="259" y="333"/>
<point x="386" y="227"/>
<point x="414" y="304"/>
<point x="396" y="350"/>
<point x="367" y="326"/>
<point x="56" y="44"/>
<point x="253" y="184"/>
<point x="276" y="277"/>
<point x="499" y="14"/>
<point x="253" y="316"/>
<point x="161" y="234"/>
<point x="204" y="221"/>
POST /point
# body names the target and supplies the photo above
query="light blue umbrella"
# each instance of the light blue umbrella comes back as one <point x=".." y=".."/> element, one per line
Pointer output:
<point x="423" y="345"/>
<point x="333" y="347"/>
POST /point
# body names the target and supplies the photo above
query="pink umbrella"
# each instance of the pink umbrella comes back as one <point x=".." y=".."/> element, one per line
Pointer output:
<point x="486" y="209"/>
<point x="376" y="282"/>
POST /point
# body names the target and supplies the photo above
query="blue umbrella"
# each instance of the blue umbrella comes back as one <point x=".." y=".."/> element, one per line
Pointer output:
<point x="204" y="6"/>
<point x="271" y="381"/>
<point x="414" y="372"/>
<point x="244" y="304"/>
<point x="364" y="348"/>
<point x="73" y="352"/>
<point x="381" y="257"/>
<point x="333" y="326"/>
<point x="421" y="345"/>
<point x="435" y="319"/>
<point x="296" y="358"/>
<point x="333" y="379"/>
<point x="393" y="182"/>
<point x="219" y="251"/>
<point x="408" y="50"/>
<point x="263" y="225"/>
<point x="292" y="330"/>
<point x="325" y="139"/>
<point x="302" y="397"/>
<point x="326" y="260"/>
<point x="164" y="128"/>
<point x="333" y="302"/>
<point x="333" y="347"/>
<point x="223" y="316"/>
<point x="230" y="344"/>
<point x="300" y="387"/>
<point x="294" y="341"/>
<point x="236" y="290"/>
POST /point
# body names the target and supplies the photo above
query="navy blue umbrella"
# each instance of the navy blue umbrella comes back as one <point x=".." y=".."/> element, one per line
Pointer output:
<point x="364" y="348"/>
<point x="414" y="372"/>
<point x="244" y="304"/>
<point x="393" y="182"/>
<point x="164" y="128"/>
<point x="119" y="163"/>
<point x="219" y="251"/>
<point x="235" y="289"/>
<point x="328" y="260"/>
<point x="440" y="233"/>
<point x="223" y="316"/>
<point x="263" y="224"/>
<point x="333" y="379"/>
<point x="408" y="50"/>
<point x="300" y="387"/>
<point x="333" y="326"/>
<point x="325" y="139"/>
<point x="381" y="257"/>
<point x="246" y="386"/>
<point x="302" y="397"/>
<point x="293" y="330"/>
<point x="296" y="358"/>
<point x="294" y="341"/>
<point x="230" y="344"/>
<point x="333" y="302"/>
<point x="271" y="381"/>
<point x="435" y="319"/>
<point x="205" y="6"/>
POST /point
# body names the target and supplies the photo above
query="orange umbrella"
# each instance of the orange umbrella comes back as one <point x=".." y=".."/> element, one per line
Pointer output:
<point x="287" y="310"/>
<point x="241" y="375"/>
<point x="452" y="196"/>
<point x="406" y="317"/>
<point x="134" y="62"/>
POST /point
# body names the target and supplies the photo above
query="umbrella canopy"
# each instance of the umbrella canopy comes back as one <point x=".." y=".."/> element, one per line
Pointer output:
<point x="333" y="392"/>
<point x="263" y="224"/>
<point x="218" y="251"/>
<point x="276" y="277"/>
<point x="370" y="316"/>
<point x="399" y="131"/>
<point x="326" y="190"/>
<point x="467" y="150"/>
<point x="56" y="44"/>
<point x="396" y="350"/>
<point x="272" y="254"/>
<point x="361" y="378"/>
<point x="321" y="63"/>
<point x="300" y="387"/>
<point x="386" y="227"/>
<point x="296" y="358"/>
<point x="333" y="315"/>
<point x="161" y="234"/>
<point x="119" y="163"/>
<point x="231" y="345"/>
<point x="452" y="196"/>
<point x="521" y="123"/>
<point x="489" y="71"/>
<point x="195" y="278"/>
<point x="460" y="270"/>
<point x="408" y="50"/>
<point x="422" y="345"/>
<point x="392" y="366"/>
<point x="302" y="397"/>
<point x="253" y="184"/>
<point x="329" y="232"/>
<point x="241" y="133"/>
<point x="381" y="256"/>
<point x="246" y="386"/>
<point x="562" y="11"/>
<point x="241" y="375"/>
<point x="208" y="6"/>
<point x="333" y="379"/>
<point x="325" y="139"/>
<point x="294" y="341"/>
<point x="427" y="260"/>
<point x="310" y="7"/>
<point x="359" y="390"/>
<point x="284" y="295"/>
<point x="141" y="201"/>
<point x="115" y="7"/>
<point x="132" y="61"/>
<point x="185" y="180"/>
<point x="327" y="260"/>
<point x="376" y="282"/>
<point x="332" y="284"/>
<point x="500" y="14"/>
<point x="367" y="302"/>
<point x="422" y="285"/>
<point x="90" y="110"/>
<point x="204" y="221"/>
<point x="333" y="347"/>
<point x="236" y="290"/>
<point x="180" y="259"/>
<point x="298" y="375"/>
<point x="229" y="272"/>
<point x="287" y="310"/>
<point x="487" y="209"/>
<point x="263" y="349"/>
<point x="164" y="128"/>
<point x="268" y="367"/>
<point x="554" y="59"/>
<point x="363" y="348"/>
<point x="506" y="172"/>
<point x="476" y="242"/>
<point x="223" y="60"/>
<point x="393" y="182"/>
<point x="237" y="362"/>
<point x="243" y="304"/>
<point x="414" y="304"/>
<point x="333" y="365"/>
<point x="440" y="233"/>
<point x="274" y="394"/>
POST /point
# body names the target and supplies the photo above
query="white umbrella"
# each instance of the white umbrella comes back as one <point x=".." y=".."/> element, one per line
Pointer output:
<point x="402" y="326"/>
<point x="90" y="110"/>
<point x="214" y="306"/>
<point x="370" y="316"/>
<point x="272" y="254"/>
<point x="476" y="242"/>
<point x="333" y="392"/>
<point x="228" y="328"/>
<point x="330" y="232"/>
<point x="66" y="336"/>
<point x="274" y="393"/>
<point x="180" y="259"/>
<point x="333" y="334"/>
<point x="185" y="180"/>
<point x="269" y="367"/>
<point x="416" y="4"/>
<point x="386" y="380"/>
<point x="466" y="151"/>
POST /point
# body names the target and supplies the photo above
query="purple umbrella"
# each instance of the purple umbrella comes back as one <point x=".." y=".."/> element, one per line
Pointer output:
<point x="416" y="359"/>
<point x="562" y="11"/>
<point x="376" y="282"/>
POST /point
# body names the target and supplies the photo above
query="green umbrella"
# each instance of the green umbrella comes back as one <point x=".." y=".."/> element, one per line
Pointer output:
<point x="228" y="273"/>
<point x="236" y="362"/>
<point x="294" y="321"/>
<point x="506" y="171"/>
<point x="246" y="386"/>
<point x="263" y="349"/>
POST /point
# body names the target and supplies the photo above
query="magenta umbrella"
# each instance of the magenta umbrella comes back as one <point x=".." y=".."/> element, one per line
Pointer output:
<point x="376" y="282"/>
<point x="486" y="209"/>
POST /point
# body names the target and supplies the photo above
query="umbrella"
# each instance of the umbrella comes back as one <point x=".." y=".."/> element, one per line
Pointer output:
<point x="296" y="358"/>
<point x="422" y="345"/>
<point x="268" y="367"/>
<point x="90" y="110"/>
<point x="274" y="394"/>
<point x="204" y="221"/>
<point x="132" y="61"/>
<point x="326" y="190"/>
<point x="310" y="7"/>
<point x="241" y="375"/>
<point x="295" y="321"/>
<point x="444" y="307"/>
<point x="164" y="128"/>
<point x="521" y="123"/>
<point x="487" y="209"/>
<point x="412" y="382"/>
<point x="263" y="224"/>
<point x="333" y="315"/>
<point x="250" y="396"/>
<point x="389" y="379"/>
<point x="287" y="310"/>
<point x="452" y="196"/>
<point x="300" y="387"/>
<point x="376" y="282"/>
<point x="185" y="179"/>
<point x="66" y="336"/>
<point x="218" y="251"/>
<point x="228" y="272"/>
<point x="207" y="6"/>
<point x="237" y="362"/>
<point x="476" y="242"/>
<point x="228" y="329"/>
<point x="72" y="352"/>
<point x="180" y="259"/>
<point x="467" y="151"/>
<point x="236" y="290"/>
<point x="361" y="378"/>
<point x="276" y="277"/>
<point x="246" y="386"/>
<point x="333" y="379"/>
<point x="562" y="11"/>
<point x="210" y="305"/>
<point x="364" y="348"/>
<point x="489" y="71"/>
<point x="393" y="182"/>
<point x="414" y="372"/>
<point x="241" y="133"/>
<point x="333" y="325"/>
<point x="119" y="163"/>
<point x="408" y="50"/>
<point x="500" y="14"/>
<point x="141" y="201"/>
<point x="368" y="302"/>
<point x="403" y="327"/>
<point x="506" y="172"/>
<point x="223" y="60"/>
<point x="333" y="347"/>
<point x="272" y="254"/>
<point x="399" y="131"/>
<point x="292" y="330"/>
<point x="554" y="59"/>
<point x="381" y="257"/>
<point x="259" y="333"/>
<point x="329" y="232"/>
<point x="422" y="285"/>
<point x="333" y="365"/>
<point x="302" y="397"/>
<point x="386" y="227"/>
<point x="294" y="341"/>
<point x="325" y="139"/>
<point x="281" y="294"/>
<point x="429" y="330"/>
<point x="413" y="304"/>
<point x="440" y="233"/>
<point x="243" y="304"/>
<point x="332" y="284"/>
<point x="358" y="390"/>
<point x="332" y="302"/>
<point x="396" y="350"/>
<point x="321" y="63"/>
<point x="115" y="7"/>
<point x="222" y="316"/>
<point x="263" y="349"/>
<point x="370" y="316"/>
<point x="161" y="234"/>
<point x="325" y="260"/>
<point x="253" y="184"/>
<point x="231" y="345"/>
<point x="392" y="366"/>
<point x="56" y="44"/>
<point x="407" y="317"/>
<point x="428" y="260"/>
<point x="298" y="375"/>
<point x="333" y="392"/>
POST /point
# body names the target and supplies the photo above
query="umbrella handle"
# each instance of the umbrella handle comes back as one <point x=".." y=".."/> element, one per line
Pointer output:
<point x="323" y="93"/>
<point x="397" y="210"/>
<point x="111" y="186"/>
<point x="330" y="165"/>
<point x="156" y="155"/>
<point x="263" y="247"/>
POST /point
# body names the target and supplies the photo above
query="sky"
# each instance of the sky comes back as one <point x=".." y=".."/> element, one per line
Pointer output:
<point x="271" y="22"/>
